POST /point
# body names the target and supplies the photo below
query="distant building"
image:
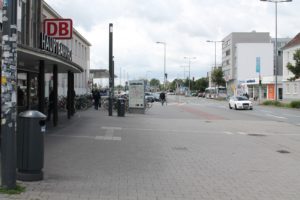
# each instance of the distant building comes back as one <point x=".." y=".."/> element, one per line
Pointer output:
<point x="291" y="89"/>
<point x="254" y="62"/>
<point x="237" y="74"/>
<point x="229" y="59"/>
<point x="281" y="42"/>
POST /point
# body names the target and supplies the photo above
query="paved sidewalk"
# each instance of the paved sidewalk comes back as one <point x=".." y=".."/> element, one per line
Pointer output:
<point x="170" y="153"/>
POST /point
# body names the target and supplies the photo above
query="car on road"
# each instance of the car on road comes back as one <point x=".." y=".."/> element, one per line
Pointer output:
<point x="201" y="94"/>
<point x="156" y="96"/>
<point x="149" y="97"/>
<point x="240" y="102"/>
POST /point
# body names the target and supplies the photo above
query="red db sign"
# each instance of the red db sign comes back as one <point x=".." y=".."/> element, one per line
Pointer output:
<point x="58" y="28"/>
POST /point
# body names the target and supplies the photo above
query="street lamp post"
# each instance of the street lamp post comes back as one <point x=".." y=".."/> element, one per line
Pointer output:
<point x="165" y="49"/>
<point x="189" y="59"/>
<point x="214" y="41"/>
<point x="276" y="50"/>
<point x="183" y="71"/>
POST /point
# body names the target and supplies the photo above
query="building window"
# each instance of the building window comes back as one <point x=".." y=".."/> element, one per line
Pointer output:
<point x="228" y="52"/>
<point x="288" y="88"/>
<point x="295" y="88"/>
<point x="75" y="47"/>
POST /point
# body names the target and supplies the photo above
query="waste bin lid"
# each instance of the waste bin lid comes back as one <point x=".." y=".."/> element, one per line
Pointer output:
<point x="32" y="114"/>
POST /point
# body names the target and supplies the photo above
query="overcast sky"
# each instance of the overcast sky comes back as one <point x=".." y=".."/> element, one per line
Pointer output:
<point x="185" y="25"/>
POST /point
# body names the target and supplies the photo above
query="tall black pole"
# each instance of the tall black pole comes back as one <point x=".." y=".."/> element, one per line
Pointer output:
<point x="111" y="70"/>
<point x="9" y="94"/>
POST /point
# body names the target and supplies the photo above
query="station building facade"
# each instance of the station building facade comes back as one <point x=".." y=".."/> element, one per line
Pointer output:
<point x="40" y="69"/>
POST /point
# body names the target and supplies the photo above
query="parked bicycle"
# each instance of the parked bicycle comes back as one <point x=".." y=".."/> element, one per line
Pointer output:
<point x="62" y="103"/>
<point x="83" y="102"/>
<point x="148" y="105"/>
<point x="105" y="103"/>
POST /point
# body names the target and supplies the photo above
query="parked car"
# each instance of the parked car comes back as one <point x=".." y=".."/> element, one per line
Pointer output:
<point x="201" y="94"/>
<point x="240" y="102"/>
<point x="156" y="96"/>
<point x="149" y="97"/>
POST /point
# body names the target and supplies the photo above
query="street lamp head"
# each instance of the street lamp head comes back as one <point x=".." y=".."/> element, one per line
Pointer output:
<point x="161" y="43"/>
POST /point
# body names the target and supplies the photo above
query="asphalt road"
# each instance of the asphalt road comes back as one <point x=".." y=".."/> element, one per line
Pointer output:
<point x="221" y="108"/>
<point x="190" y="149"/>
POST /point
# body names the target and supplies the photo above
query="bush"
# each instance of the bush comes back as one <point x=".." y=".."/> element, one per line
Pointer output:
<point x="273" y="103"/>
<point x="267" y="103"/>
<point x="295" y="104"/>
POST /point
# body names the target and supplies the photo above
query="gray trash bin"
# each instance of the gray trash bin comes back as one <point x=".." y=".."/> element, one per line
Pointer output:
<point x="30" y="145"/>
<point x="121" y="107"/>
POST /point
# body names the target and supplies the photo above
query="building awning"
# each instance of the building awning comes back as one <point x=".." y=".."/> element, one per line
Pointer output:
<point x="29" y="58"/>
<point x="100" y="73"/>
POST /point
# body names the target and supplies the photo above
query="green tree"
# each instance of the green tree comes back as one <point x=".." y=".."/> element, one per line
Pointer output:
<point x="217" y="77"/>
<point x="201" y="84"/>
<point x="119" y="87"/>
<point x="176" y="83"/>
<point x="155" y="82"/>
<point x="295" y="69"/>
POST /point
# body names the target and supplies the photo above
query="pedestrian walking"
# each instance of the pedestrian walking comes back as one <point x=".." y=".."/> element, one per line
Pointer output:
<point x="162" y="97"/>
<point x="96" y="97"/>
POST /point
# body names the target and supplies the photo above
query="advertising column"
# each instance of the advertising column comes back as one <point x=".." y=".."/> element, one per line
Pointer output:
<point x="9" y="94"/>
<point x="137" y="96"/>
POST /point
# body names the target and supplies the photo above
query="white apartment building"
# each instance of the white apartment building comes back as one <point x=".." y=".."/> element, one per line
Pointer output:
<point x="291" y="89"/>
<point x="254" y="62"/>
<point x="80" y="55"/>
<point x="229" y="58"/>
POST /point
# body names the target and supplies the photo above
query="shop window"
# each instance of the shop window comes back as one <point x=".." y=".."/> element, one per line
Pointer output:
<point x="22" y="91"/>
<point x="34" y="90"/>
<point x="75" y="48"/>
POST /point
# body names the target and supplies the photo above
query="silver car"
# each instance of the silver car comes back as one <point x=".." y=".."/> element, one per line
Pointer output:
<point x="240" y="102"/>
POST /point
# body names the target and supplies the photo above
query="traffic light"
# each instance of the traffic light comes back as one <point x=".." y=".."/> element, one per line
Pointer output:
<point x="193" y="78"/>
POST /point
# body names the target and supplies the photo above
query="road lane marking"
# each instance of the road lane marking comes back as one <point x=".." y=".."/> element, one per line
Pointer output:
<point x="111" y="128"/>
<point x="279" y="117"/>
<point x="266" y="111"/>
<point x="108" y="138"/>
<point x="228" y="132"/>
<point x="242" y="133"/>
<point x="109" y="133"/>
<point x="289" y="115"/>
<point x="88" y="137"/>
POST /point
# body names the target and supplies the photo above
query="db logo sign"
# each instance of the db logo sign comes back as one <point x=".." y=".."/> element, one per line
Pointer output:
<point x="58" y="28"/>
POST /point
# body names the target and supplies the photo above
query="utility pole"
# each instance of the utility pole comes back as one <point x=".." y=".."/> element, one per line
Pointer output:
<point x="276" y="46"/>
<point x="165" y="62"/>
<point x="111" y="70"/>
<point x="9" y="95"/>
<point x="189" y="60"/>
